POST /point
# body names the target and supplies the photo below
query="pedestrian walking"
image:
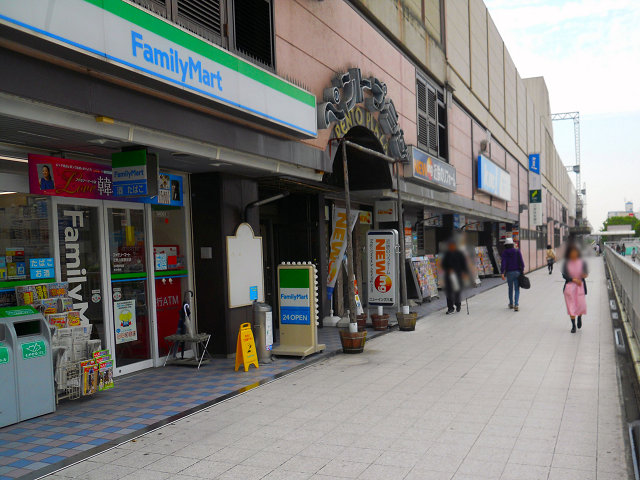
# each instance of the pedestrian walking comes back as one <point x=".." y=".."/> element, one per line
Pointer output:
<point x="623" y="250"/>
<point x="512" y="267"/>
<point x="551" y="259"/>
<point x="574" y="272"/>
<point x="634" y="254"/>
<point x="454" y="264"/>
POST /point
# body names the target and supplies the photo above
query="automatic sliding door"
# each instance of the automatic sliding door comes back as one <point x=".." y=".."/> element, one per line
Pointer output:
<point x="128" y="269"/>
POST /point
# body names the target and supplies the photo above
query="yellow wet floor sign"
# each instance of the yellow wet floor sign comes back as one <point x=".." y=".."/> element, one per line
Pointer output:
<point x="246" y="348"/>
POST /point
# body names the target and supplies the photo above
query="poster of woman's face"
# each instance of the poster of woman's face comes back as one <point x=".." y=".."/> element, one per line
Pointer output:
<point x="45" y="176"/>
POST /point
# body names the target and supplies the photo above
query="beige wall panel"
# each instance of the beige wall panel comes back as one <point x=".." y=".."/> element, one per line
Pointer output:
<point x="479" y="52"/>
<point x="522" y="113"/>
<point x="496" y="72"/>
<point x="457" y="20"/>
<point x="510" y="96"/>
<point x="460" y="153"/>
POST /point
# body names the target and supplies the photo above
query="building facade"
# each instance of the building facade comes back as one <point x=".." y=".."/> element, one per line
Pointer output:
<point x="240" y="102"/>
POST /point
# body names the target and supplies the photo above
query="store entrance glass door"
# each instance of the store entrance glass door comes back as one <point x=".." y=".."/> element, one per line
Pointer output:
<point x="79" y="236"/>
<point x="128" y="271"/>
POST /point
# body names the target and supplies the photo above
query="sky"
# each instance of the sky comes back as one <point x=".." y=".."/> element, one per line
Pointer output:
<point x="589" y="53"/>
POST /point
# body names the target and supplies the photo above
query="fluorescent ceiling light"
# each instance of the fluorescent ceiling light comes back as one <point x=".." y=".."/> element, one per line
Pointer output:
<point x="6" y="193"/>
<point x="13" y="159"/>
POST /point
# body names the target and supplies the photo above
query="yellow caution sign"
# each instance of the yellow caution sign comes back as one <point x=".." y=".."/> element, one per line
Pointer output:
<point x="246" y="348"/>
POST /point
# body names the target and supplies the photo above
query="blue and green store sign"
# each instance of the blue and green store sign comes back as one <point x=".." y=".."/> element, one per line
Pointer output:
<point x="132" y="38"/>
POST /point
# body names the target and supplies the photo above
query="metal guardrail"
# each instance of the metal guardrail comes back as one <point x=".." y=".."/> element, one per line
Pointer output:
<point x="626" y="275"/>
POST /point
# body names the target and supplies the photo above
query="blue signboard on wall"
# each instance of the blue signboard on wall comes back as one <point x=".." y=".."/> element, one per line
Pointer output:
<point x="534" y="163"/>
<point x="493" y="180"/>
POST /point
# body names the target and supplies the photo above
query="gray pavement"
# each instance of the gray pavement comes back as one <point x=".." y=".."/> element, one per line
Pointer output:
<point x="493" y="395"/>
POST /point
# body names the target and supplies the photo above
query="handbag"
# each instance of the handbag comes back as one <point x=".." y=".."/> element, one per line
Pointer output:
<point x="524" y="282"/>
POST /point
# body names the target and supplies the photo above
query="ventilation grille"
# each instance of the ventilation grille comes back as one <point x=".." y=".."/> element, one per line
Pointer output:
<point x="201" y="17"/>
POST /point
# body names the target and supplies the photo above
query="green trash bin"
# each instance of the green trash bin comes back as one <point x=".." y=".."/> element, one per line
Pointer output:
<point x="29" y="337"/>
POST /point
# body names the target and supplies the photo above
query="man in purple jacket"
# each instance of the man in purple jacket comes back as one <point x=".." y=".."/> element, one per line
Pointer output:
<point x="512" y="267"/>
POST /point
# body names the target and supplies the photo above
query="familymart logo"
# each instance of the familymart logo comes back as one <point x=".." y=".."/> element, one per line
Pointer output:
<point x="172" y="61"/>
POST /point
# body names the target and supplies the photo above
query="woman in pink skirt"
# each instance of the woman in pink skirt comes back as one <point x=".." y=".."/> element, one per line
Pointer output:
<point x="574" y="273"/>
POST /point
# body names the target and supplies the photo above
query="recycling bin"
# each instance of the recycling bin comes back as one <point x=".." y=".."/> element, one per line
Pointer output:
<point x="9" y="397"/>
<point x="263" y="331"/>
<point x="29" y="338"/>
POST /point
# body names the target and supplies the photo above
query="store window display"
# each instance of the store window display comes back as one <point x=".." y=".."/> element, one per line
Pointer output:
<point x="26" y="243"/>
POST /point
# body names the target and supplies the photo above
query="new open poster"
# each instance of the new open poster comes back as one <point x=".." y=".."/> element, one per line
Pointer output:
<point x="338" y="243"/>
<point x="381" y="267"/>
<point x="124" y="313"/>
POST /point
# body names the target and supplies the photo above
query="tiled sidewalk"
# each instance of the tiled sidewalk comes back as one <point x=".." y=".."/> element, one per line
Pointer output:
<point x="84" y="427"/>
<point x="491" y="395"/>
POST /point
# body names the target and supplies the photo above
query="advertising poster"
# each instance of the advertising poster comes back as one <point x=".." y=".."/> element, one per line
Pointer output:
<point x="338" y="243"/>
<point x="73" y="178"/>
<point x="381" y="267"/>
<point x="295" y="296"/>
<point x="124" y="314"/>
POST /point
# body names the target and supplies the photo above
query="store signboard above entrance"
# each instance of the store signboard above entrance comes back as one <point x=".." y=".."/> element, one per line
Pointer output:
<point x="62" y="177"/>
<point x="493" y="180"/>
<point x="135" y="173"/>
<point x="425" y="169"/>
<point x="130" y="37"/>
<point x="361" y="117"/>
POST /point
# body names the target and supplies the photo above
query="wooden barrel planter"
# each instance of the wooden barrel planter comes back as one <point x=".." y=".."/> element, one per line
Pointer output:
<point x="352" y="342"/>
<point x="362" y="322"/>
<point x="380" y="322"/>
<point x="407" y="322"/>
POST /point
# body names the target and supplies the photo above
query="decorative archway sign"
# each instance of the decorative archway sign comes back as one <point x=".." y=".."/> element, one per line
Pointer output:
<point x="346" y="92"/>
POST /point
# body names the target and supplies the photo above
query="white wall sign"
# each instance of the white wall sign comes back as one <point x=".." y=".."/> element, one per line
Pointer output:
<point x="381" y="267"/>
<point x="244" y="266"/>
<point x="120" y="33"/>
<point x="386" y="211"/>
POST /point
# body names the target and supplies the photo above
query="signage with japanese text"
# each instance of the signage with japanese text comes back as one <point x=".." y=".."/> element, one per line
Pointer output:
<point x="124" y="314"/>
<point x="534" y="163"/>
<point x="381" y="267"/>
<point x="246" y="354"/>
<point x="338" y="243"/>
<point x="424" y="168"/>
<point x="72" y="178"/>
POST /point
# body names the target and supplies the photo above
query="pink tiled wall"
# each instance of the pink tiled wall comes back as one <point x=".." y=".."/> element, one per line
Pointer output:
<point x="316" y="40"/>
<point x="460" y="150"/>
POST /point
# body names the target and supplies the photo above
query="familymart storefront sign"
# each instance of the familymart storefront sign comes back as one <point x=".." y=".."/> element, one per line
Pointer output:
<point x="132" y="38"/>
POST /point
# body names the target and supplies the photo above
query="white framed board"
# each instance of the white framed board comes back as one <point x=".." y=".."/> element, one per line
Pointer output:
<point x="245" y="275"/>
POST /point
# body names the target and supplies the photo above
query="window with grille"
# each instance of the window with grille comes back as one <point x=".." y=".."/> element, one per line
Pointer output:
<point x="252" y="30"/>
<point x="244" y="26"/>
<point x="432" y="119"/>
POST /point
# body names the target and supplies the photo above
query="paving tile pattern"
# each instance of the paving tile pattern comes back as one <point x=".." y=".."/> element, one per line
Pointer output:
<point x="494" y="395"/>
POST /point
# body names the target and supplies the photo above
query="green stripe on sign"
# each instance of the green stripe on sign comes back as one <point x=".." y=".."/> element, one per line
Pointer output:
<point x="161" y="27"/>
<point x="294" y="278"/>
<point x="132" y="158"/>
